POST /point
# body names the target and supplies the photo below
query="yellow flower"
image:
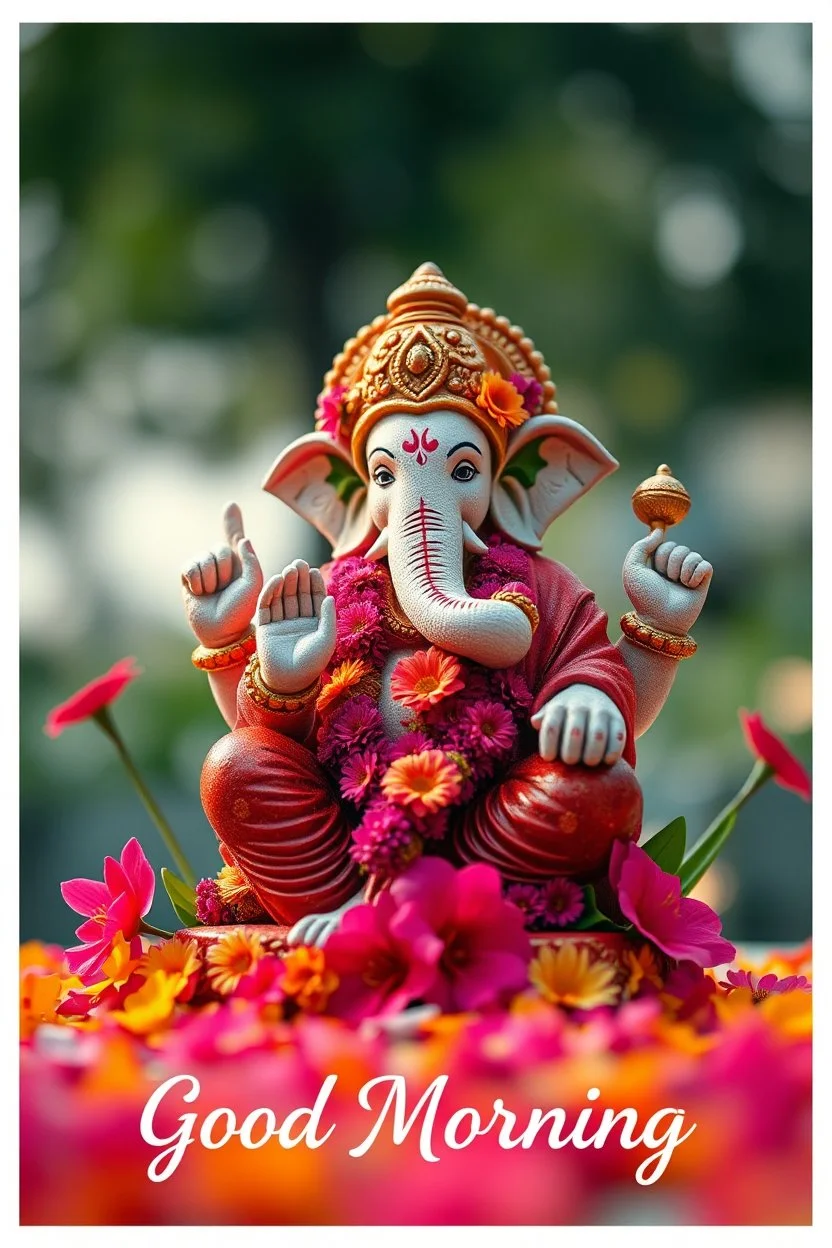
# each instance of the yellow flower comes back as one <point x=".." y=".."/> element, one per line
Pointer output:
<point x="306" y="978"/>
<point x="502" y="400"/>
<point x="232" y="885"/>
<point x="565" y="975"/>
<point x="642" y="965"/>
<point x="789" y="1012"/>
<point x="117" y="969"/>
<point x="232" y="957"/>
<point x="177" y="958"/>
<point x="343" y="677"/>
<point x="151" y="1006"/>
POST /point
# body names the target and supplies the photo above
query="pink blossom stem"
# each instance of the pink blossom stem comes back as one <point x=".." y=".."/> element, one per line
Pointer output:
<point x="707" y="848"/>
<point x="107" y="725"/>
<point x="147" y="929"/>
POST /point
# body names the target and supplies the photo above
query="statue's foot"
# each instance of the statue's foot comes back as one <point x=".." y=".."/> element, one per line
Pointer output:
<point x="315" y="929"/>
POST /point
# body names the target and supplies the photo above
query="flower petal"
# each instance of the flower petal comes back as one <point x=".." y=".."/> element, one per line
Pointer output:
<point x="86" y="897"/>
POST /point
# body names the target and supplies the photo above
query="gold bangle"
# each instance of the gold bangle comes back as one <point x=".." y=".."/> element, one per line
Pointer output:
<point x="519" y="600"/>
<point x="263" y="695"/>
<point x="208" y="660"/>
<point x="670" y="644"/>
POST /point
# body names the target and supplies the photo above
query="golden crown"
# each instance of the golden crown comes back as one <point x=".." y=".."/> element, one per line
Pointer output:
<point x="433" y="349"/>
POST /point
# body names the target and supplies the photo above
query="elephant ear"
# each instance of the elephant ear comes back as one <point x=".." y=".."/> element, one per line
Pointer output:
<point x="550" y="462"/>
<point x="316" y="477"/>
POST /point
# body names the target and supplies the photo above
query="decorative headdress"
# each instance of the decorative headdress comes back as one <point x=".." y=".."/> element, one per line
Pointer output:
<point x="433" y="349"/>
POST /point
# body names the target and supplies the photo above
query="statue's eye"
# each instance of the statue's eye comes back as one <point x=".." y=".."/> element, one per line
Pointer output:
<point x="464" y="472"/>
<point x="383" y="477"/>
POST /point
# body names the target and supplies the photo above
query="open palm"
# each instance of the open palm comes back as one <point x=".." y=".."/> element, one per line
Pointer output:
<point x="295" y="628"/>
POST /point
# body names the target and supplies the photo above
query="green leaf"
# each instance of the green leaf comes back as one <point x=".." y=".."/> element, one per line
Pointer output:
<point x="182" y="898"/>
<point x="592" y="918"/>
<point x="343" y="479"/>
<point x="706" y="852"/>
<point x="526" y="464"/>
<point x="667" y="848"/>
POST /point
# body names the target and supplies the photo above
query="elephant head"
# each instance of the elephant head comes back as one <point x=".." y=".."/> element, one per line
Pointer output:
<point x="424" y="487"/>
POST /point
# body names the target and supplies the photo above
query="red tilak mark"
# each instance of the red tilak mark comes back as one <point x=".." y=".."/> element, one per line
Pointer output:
<point x="419" y="446"/>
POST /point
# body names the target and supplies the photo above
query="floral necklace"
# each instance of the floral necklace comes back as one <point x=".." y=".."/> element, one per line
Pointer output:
<point x="461" y="719"/>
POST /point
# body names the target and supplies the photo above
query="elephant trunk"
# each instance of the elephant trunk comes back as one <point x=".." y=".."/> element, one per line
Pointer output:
<point x="425" y="555"/>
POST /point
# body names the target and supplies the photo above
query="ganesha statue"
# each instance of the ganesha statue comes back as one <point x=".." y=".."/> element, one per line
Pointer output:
<point x="440" y="687"/>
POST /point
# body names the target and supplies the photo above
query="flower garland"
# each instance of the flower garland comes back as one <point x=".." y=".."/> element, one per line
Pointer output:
<point x="461" y="719"/>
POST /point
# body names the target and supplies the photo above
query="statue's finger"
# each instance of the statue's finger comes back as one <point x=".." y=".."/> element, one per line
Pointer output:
<point x="701" y="575"/>
<point x="193" y="579"/>
<point x="662" y="555"/>
<point x="317" y="586"/>
<point x="691" y="563"/>
<point x="208" y="568"/>
<point x="674" y="563"/>
<point x="290" y="592"/>
<point x="232" y="520"/>
<point x="617" y="740"/>
<point x="574" y="735"/>
<point x="270" y="602"/>
<point x="327" y="624"/>
<point x="225" y="566"/>
<point x="304" y="589"/>
<point x="646" y="546"/>
<point x="551" y="726"/>
<point x="597" y="737"/>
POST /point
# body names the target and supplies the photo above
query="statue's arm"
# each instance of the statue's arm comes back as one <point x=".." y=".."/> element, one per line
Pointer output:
<point x="667" y="584"/>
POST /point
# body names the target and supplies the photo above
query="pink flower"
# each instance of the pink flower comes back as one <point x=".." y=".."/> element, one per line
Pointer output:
<point x="92" y="698"/>
<point x="528" y="898"/>
<point x="652" y="900"/>
<point x="210" y="909"/>
<point x="486" y="948"/>
<point x="531" y="390"/>
<point x="761" y="741"/>
<point x="117" y="905"/>
<point x="330" y="410"/>
<point x="358" y="775"/>
<point x="262" y="983"/>
<point x="353" y="726"/>
<point x="487" y="728"/>
<point x="385" y="840"/>
<point x="761" y="985"/>
<point x="359" y="630"/>
<point x="563" y="902"/>
<point x="409" y="743"/>
<point x="385" y="956"/>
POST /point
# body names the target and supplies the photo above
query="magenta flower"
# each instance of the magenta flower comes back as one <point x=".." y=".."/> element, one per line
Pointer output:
<point x="486" y="949"/>
<point x="531" y="390"/>
<point x="330" y="410"/>
<point x="262" y="983"/>
<point x="788" y="771"/>
<point x="359" y="630"/>
<point x="385" y="956"/>
<point x="761" y="986"/>
<point x="384" y="840"/>
<point x="210" y="909"/>
<point x="117" y="905"/>
<point x="652" y="900"/>
<point x="528" y="898"/>
<point x="487" y="728"/>
<point x="358" y="775"/>
<point x="409" y="743"/>
<point x="563" y="902"/>
<point x="355" y="725"/>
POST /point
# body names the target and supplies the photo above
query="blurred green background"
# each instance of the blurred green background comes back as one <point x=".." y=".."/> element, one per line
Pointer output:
<point x="209" y="211"/>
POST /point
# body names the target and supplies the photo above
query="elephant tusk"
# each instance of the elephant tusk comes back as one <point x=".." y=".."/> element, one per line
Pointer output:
<point x="378" y="550"/>
<point x="472" y="543"/>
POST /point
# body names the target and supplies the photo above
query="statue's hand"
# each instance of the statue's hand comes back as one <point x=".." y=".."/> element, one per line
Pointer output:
<point x="666" y="583"/>
<point x="581" y="725"/>
<point x="295" y="628"/>
<point x="220" y="588"/>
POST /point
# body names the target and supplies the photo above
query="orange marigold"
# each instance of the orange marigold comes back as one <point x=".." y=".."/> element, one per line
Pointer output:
<point x="343" y="677"/>
<point x="233" y="956"/>
<point x="424" y="678"/>
<point x="307" y="980"/>
<point x="426" y="781"/>
<point x="502" y="400"/>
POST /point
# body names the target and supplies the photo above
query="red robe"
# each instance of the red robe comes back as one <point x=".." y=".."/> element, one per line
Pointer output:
<point x="278" y="815"/>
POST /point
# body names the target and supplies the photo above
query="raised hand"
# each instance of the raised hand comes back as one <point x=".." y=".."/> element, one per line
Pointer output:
<point x="295" y="628"/>
<point x="581" y="725"/>
<point x="667" y="583"/>
<point x="220" y="588"/>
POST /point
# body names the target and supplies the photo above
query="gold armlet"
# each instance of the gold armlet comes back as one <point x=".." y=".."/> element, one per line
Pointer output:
<point x="519" y="600"/>
<point x="208" y="660"/>
<point x="654" y="639"/>
<point x="262" y="695"/>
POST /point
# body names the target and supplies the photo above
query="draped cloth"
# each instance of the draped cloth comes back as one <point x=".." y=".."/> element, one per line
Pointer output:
<point x="277" y="815"/>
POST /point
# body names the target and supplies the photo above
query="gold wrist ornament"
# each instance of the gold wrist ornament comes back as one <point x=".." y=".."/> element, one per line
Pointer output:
<point x="209" y="660"/>
<point x="269" y="699"/>
<point x="519" y="600"/>
<point x="670" y="644"/>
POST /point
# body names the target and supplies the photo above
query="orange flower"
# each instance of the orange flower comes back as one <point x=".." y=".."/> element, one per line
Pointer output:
<point x="232" y="957"/>
<point x="426" y="781"/>
<point x="178" y="958"/>
<point x="307" y="980"/>
<point x="642" y="965"/>
<point x="343" y="677"/>
<point x="502" y="400"/>
<point x="151" y="1006"/>
<point x="232" y="885"/>
<point x="425" y="678"/>
<point x="565" y="975"/>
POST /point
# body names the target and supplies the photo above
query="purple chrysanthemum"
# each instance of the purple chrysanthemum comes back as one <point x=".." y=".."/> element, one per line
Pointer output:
<point x="531" y="390"/>
<point x="359" y="630"/>
<point x="528" y="898"/>
<point x="356" y="725"/>
<point x="563" y="902"/>
<point x="384" y="840"/>
<point x="487" y="728"/>
<point x="410" y="743"/>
